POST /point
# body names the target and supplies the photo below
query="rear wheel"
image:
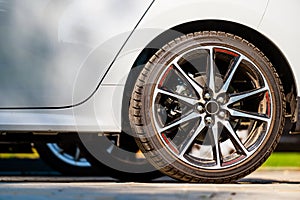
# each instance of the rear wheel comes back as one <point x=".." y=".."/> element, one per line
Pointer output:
<point x="65" y="157"/>
<point x="208" y="107"/>
<point x="119" y="155"/>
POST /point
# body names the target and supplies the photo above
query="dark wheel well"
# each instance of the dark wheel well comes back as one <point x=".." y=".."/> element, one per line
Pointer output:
<point x="260" y="41"/>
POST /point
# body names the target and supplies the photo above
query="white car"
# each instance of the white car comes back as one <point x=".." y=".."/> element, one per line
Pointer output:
<point x="205" y="87"/>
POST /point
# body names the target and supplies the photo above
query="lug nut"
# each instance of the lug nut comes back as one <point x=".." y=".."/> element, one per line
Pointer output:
<point x="200" y="108"/>
<point x="208" y="120"/>
<point x="207" y="96"/>
<point x="222" y="114"/>
<point x="220" y="100"/>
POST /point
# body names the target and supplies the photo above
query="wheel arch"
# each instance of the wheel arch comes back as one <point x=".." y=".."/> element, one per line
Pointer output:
<point x="272" y="52"/>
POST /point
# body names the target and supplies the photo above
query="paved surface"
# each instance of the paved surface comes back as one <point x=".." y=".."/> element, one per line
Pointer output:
<point x="15" y="166"/>
<point x="262" y="184"/>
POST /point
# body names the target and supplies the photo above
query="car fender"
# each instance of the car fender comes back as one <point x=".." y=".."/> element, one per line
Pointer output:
<point x="164" y="15"/>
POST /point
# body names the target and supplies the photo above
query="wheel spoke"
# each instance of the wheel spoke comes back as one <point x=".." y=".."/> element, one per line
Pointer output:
<point x="230" y="75"/>
<point x="61" y="151"/>
<point x="77" y="154"/>
<point x="211" y="71"/>
<point x="189" y="139"/>
<point x="191" y="81"/>
<point x="236" y="141"/>
<point x="216" y="146"/>
<point x="250" y="115"/>
<point x="110" y="148"/>
<point x="187" y="118"/>
<point x="237" y="97"/>
<point x="187" y="100"/>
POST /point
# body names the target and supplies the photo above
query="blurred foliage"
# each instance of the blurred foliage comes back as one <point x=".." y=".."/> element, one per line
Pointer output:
<point x="283" y="159"/>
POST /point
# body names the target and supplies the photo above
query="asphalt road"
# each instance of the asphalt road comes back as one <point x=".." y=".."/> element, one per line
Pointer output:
<point x="262" y="184"/>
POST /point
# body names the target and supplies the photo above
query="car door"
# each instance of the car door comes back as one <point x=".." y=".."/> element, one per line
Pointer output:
<point x="46" y="45"/>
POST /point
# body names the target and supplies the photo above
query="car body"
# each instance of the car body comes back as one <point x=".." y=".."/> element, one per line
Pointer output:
<point x="70" y="66"/>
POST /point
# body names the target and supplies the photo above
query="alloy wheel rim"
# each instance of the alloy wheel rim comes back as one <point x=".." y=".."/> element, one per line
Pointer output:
<point x="73" y="158"/>
<point x="203" y="115"/>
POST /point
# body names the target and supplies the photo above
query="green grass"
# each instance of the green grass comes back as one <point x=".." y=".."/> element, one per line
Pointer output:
<point x="283" y="159"/>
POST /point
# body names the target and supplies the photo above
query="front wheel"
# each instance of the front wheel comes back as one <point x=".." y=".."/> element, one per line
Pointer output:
<point x="208" y="107"/>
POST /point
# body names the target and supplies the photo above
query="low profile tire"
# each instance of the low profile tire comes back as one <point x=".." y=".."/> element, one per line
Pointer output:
<point x="66" y="158"/>
<point x="208" y="107"/>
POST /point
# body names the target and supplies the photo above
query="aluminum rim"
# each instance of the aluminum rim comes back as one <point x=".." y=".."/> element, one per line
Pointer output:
<point x="212" y="107"/>
<point x="72" y="157"/>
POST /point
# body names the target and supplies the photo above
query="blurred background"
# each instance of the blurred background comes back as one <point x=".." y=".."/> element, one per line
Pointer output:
<point x="65" y="159"/>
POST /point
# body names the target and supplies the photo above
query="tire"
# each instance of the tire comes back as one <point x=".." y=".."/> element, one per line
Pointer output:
<point x="119" y="156"/>
<point x="66" y="158"/>
<point x="207" y="107"/>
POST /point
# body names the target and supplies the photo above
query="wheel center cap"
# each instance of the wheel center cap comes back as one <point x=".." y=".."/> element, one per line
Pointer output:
<point x="212" y="107"/>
